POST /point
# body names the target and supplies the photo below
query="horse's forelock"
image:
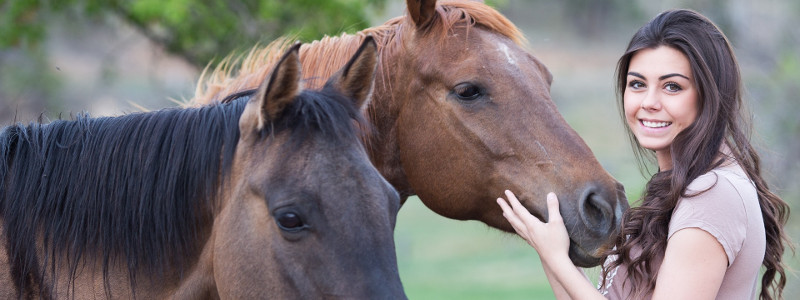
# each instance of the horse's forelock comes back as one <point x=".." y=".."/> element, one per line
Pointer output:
<point x="472" y="13"/>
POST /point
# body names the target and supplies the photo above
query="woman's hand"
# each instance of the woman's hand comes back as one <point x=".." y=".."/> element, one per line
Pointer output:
<point x="552" y="242"/>
<point x="549" y="239"/>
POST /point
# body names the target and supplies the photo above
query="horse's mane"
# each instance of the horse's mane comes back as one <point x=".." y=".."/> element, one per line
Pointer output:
<point x="111" y="189"/>
<point x="323" y="57"/>
<point x="125" y="190"/>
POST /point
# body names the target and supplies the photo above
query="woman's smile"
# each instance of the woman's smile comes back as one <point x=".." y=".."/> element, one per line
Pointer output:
<point x="655" y="124"/>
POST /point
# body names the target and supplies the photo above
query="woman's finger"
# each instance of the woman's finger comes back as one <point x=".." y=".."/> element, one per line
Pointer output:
<point x="508" y="213"/>
<point x="518" y="208"/>
<point x="521" y="211"/>
<point x="512" y="217"/>
<point x="552" y="209"/>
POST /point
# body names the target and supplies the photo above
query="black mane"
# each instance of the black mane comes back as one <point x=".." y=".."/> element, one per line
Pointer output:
<point x="127" y="189"/>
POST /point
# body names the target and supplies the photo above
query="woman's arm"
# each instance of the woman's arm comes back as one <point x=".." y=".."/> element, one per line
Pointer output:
<point x="558" y="289"/>
<point x="551" y="241"/>
<point x="693" y="267"/>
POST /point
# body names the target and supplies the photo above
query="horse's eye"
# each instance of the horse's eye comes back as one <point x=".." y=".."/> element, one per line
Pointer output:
<point x="290" y="221"/>
<point x="467" y="91"/>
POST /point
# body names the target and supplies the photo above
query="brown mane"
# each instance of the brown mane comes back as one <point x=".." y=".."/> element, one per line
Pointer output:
<point x="323" y="57"/>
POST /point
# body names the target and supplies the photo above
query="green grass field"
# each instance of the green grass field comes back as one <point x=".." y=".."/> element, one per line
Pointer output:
<point x="440" y="258"/>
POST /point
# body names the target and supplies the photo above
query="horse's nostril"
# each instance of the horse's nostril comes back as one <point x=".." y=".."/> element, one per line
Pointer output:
<point x="595" y="212"/>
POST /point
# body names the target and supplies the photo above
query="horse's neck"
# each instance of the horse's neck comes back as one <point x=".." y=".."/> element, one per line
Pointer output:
<point x="382" y="144"/>
<point x="320" y="59"/>
<point x="383" y="108"/>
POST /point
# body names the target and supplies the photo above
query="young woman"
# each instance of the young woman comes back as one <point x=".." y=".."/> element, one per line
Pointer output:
<point x="707" y="221"/>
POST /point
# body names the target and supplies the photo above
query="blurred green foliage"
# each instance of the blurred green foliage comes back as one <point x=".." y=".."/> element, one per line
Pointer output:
<point x="18" y="69"/>
<point x="197" y="30"/>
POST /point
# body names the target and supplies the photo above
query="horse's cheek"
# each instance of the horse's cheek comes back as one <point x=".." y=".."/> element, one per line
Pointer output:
<point x="240" y="235"/>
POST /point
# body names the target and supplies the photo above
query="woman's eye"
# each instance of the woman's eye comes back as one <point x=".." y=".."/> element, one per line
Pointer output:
<point x="636" y="84"/>
<point x="467" y="91"/>
<point x="290" y="221"/>
<point x="672" y="87"/>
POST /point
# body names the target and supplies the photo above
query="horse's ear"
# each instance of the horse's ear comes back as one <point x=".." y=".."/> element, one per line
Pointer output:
<point x="281" y="87"/>
<point x="355" y="79"/>
<point x="421" y="11"/>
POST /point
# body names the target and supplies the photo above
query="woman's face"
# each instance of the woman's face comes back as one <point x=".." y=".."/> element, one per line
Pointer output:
<point x="660" y="98"/>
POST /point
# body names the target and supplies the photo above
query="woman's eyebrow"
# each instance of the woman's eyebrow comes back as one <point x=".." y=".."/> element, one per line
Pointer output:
<point x="672" y="75"/>
<point x="636" y="74"/>
<point x="659" y="78"/>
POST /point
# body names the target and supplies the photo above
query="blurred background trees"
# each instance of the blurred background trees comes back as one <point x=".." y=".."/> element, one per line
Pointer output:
<point x="113" y="57"/>
<point x="194" y="30"/>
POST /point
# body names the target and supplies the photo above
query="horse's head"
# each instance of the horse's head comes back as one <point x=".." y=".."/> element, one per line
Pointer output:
<point x="476" y="118"/>
<point x="307" y="210"/>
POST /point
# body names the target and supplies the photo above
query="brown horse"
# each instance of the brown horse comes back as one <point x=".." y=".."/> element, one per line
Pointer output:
<point x="269" y="196"/>
<point x="462" y="113"/>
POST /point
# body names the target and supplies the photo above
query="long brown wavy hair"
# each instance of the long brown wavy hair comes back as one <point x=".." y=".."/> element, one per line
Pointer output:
<point x="695" y="151"/>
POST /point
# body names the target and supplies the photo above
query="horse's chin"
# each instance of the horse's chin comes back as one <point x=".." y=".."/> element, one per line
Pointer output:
<point x="582" y="258"/>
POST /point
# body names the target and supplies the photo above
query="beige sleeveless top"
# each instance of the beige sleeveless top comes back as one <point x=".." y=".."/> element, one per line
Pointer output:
<point x="729" y="211"/>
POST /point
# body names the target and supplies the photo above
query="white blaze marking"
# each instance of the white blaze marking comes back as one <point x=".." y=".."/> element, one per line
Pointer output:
<point x="504" y="49"/>
<point x="546" y="154"/>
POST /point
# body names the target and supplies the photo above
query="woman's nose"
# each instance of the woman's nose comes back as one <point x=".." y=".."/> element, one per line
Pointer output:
<point x="651" y="101"/>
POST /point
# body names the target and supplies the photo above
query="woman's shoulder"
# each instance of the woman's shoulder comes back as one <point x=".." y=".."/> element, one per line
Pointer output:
<point x="722" y="198"/>
<point x="725" y="181"/>
<point x="724" y="203"/>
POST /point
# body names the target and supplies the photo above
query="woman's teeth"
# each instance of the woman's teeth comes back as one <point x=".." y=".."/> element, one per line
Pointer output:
<point x="655" y="124"/>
